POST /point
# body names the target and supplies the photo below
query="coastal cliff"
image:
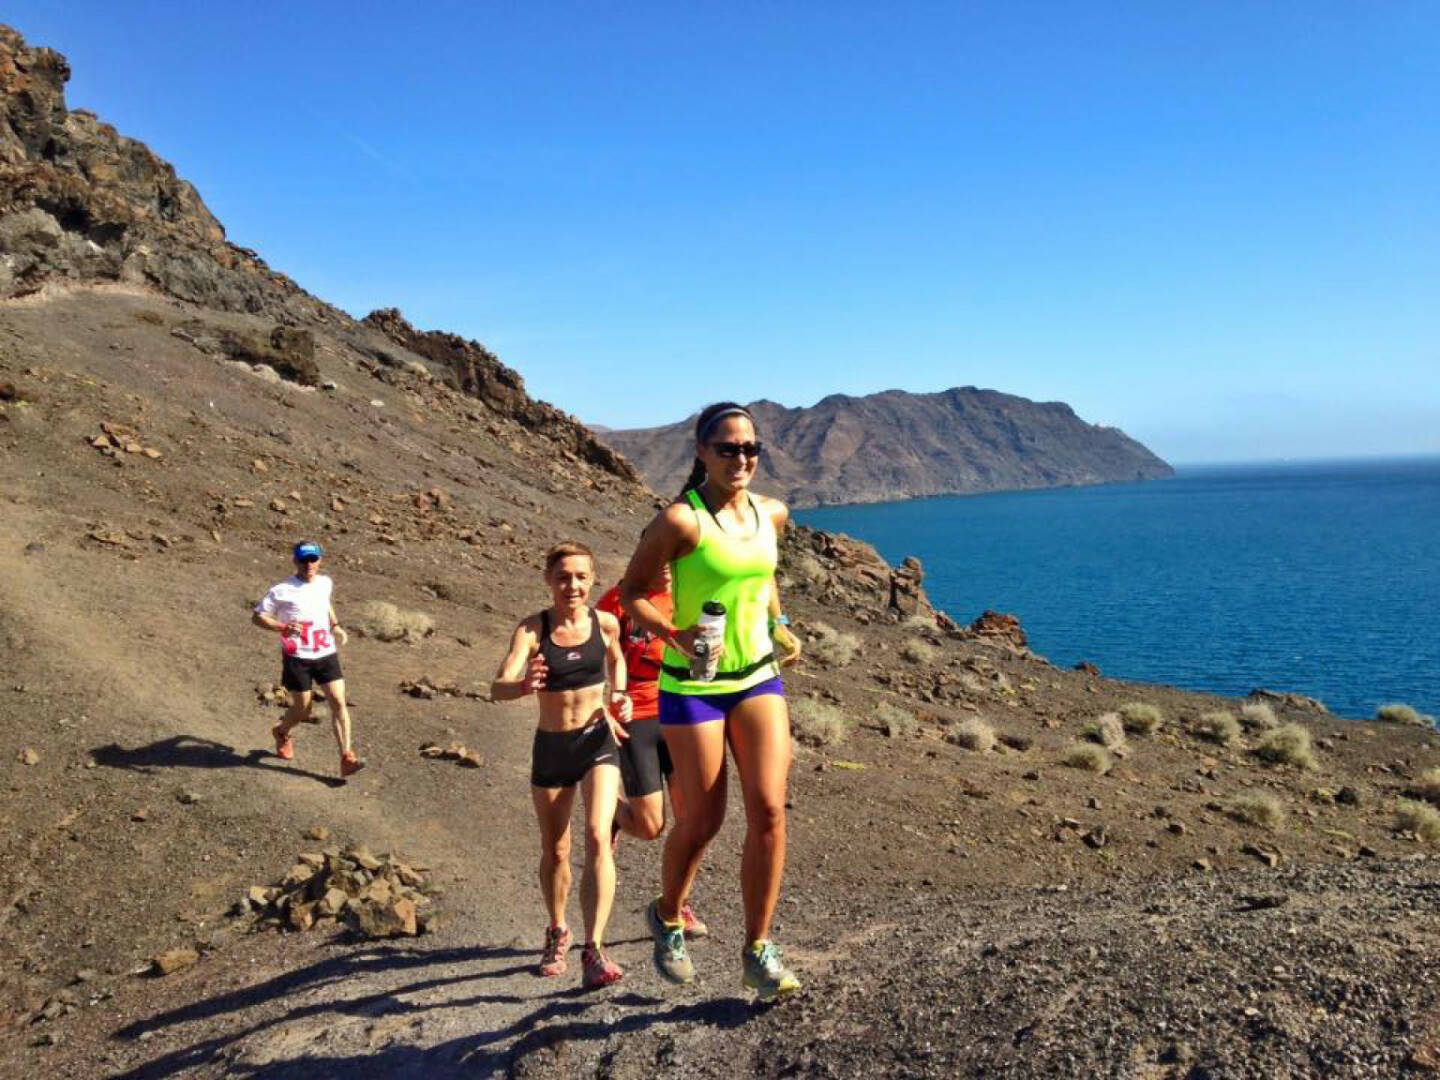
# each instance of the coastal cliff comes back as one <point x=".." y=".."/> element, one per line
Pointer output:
<point x="897" y="445"/>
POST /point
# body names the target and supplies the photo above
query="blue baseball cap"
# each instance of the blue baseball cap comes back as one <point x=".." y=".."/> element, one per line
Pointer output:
<point x="307" y="550"/>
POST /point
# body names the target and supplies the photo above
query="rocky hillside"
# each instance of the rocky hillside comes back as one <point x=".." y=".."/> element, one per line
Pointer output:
<point x="897" y="445"/>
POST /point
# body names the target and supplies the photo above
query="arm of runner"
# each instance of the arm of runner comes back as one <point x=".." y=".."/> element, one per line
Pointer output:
<point x="617" y="712"/>
<point x="341" y="637"/>
<point x="521" y="672"/>
<point x="673" y="534"/>
<point x="263" y="617"/>
<point x="786" y="643"/>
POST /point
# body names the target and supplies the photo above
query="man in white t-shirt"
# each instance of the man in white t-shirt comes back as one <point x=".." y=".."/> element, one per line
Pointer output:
<point x="300" y="611"/>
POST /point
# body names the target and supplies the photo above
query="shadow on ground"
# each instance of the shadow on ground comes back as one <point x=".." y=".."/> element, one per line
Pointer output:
<point x="554" y="1021"/>
<point x="192" y="752"/>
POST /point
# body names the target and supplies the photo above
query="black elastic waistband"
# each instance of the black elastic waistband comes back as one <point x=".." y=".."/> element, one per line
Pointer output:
<point x="721" y="676"/>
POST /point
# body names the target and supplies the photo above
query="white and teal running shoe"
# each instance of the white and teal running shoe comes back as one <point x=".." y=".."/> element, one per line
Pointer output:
<point x="671" y="960"/>
<point x="766" y="973"/>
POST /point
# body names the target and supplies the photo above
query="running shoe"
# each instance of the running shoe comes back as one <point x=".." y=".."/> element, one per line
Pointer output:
<point x="557" y="944"/>
<point x="350" y="764"/>
<point x="694" y="925"/>
<point x="766" y="973"/>
<point x="284" y="744"/>
<point x="671" y="960"/>
<point x="599" y="970"/>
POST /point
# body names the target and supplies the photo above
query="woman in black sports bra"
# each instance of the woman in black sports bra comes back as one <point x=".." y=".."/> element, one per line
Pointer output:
<point x="564" y="655"/>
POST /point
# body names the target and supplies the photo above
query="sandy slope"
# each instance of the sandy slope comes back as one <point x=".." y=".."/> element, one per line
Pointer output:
<point x="924" y="901"/>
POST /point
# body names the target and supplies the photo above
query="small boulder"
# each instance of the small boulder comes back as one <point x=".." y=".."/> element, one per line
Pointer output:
<point x="167" y="963"/>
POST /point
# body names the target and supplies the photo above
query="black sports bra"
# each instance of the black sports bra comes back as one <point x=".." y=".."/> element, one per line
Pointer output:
<point x="573" y="667"/>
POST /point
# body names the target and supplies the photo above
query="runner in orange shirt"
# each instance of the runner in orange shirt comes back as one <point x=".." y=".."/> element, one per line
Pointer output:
<point x="644" y="759"/>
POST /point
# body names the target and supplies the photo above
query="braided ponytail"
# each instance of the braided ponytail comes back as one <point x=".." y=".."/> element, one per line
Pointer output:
<point x="708" y="418"/>
<point x="697" y="477"/>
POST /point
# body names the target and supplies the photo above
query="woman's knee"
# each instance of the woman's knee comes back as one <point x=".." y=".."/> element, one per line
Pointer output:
<point x="765" y="815"/>
<point x="648" y="824"/>
<point x="556" y="849"/>
<point x="597" y="844"/>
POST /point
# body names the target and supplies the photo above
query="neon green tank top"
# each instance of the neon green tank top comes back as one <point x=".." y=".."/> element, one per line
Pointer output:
<point x="736" y="572"/>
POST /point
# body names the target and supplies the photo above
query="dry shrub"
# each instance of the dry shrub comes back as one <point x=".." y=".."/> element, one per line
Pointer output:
<point x="1260" y="809"/>
<point x="972" y="734"/>
<point x="918" y="652"/>
<point x="832" y="647"/>
<point x="1217" y="727"/>
<point x="1140" y="717"/>
<point x="805" y="569"/>
<point x="384" y="621"/>
<point x="1420" y="818"/>
<point x="1018" y="743"/>
<point x="1427" y="786"/>
<point x="1087" y="756"/>
<point x="1287" y="745"/>
<point x="1108" y="730"/>
<point x="1399" y="713"/>
<point x="918" y="621"/>
<point x="817" y="723"/>
<point x="1258" y="716"/>
<point x="893" y="720"/>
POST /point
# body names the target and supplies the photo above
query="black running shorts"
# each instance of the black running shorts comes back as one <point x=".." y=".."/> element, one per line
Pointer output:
<point x="644" y="758"/>
<point x="561" y="759"/>
<point x="297" y="674"/>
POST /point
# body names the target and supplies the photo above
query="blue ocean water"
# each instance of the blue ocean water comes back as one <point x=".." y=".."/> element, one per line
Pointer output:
<point x="1316" y="578"/>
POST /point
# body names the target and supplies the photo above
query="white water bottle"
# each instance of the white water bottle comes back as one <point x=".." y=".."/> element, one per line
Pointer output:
<point x="708" y="642"/>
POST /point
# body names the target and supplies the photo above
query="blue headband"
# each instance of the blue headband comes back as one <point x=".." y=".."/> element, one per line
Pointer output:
<point x="711" y="424"/>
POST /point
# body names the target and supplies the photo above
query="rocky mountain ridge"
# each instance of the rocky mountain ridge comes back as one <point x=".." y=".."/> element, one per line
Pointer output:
<point x="898" y="445"/>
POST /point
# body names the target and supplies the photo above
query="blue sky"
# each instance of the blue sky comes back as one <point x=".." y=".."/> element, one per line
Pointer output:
<point x="1214" y="225"/>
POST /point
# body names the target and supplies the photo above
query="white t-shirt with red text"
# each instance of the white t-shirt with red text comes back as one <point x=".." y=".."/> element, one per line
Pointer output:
<point x="307" y="605"/>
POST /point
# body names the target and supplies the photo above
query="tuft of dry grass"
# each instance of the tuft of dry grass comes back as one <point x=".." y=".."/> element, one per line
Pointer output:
<point x="1420" y="818"/>
<point x="1217" y="727"/>
<point x="1427" y="786"/>
<point x="831" y="647"/>
<point x="1140" y="717"/>
<point x="1087" y="756"/>
<point x="817" y="723"/>
<point x="1399" y="713"/>
<point x="383" y="621"/>
<point x="1108" y="730"/>
<point x="1287" y="745"/>
<point x="917" y="621"/>
<point x="1258" y="716"/>
<point x="806" y="569"/>
<point x="893" y="720"/>
<point x="1258" y="808"/>
<point x="918" y="652"/>
<point x="973" y="734"/>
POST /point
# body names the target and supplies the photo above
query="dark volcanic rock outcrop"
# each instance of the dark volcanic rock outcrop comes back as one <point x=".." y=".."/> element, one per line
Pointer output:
<point x="474" y="369"/>
<point x="80" y="202"/>
<point x="896" y="445"/>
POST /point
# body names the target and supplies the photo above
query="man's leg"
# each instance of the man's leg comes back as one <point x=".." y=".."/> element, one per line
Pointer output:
<point x="339" y="713"/>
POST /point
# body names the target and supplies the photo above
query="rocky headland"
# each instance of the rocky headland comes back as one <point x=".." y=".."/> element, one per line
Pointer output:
<point x="897" y="445"/>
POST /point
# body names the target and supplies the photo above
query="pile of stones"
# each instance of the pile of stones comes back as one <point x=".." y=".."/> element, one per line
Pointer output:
<point x="375" y="895"/>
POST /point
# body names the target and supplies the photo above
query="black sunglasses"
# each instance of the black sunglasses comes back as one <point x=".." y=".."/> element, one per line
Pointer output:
<point x="735" y="449"/>
<point x="308" y="558"/>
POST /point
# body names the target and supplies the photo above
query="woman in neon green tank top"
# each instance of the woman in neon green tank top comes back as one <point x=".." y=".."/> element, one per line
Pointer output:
<point x="720" y="541"/>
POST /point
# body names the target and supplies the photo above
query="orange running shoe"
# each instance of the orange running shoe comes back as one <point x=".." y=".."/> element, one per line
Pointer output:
<point x="350" y="764"/>
<point x="599" y="969"/>
<point x="552" y="960"/>
<point x="284" y="744"/>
